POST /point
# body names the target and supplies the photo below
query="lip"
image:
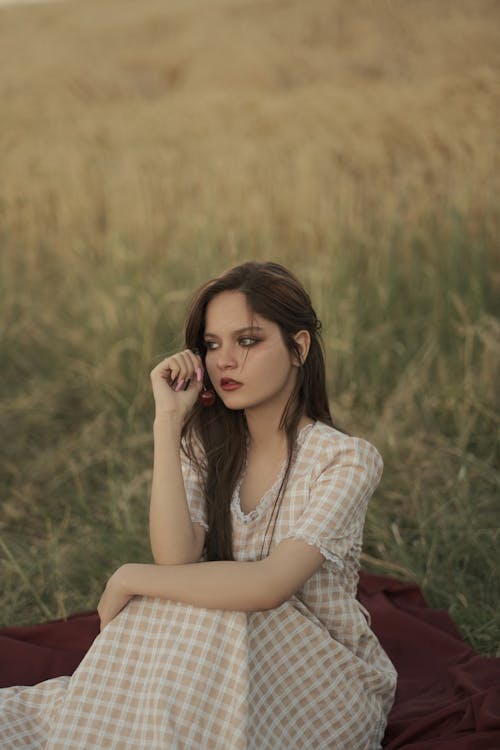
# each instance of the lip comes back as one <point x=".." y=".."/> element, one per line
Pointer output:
<point x="227" y="384"/>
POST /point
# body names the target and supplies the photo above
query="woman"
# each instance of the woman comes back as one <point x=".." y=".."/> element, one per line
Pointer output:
<point x="246" y="631"/>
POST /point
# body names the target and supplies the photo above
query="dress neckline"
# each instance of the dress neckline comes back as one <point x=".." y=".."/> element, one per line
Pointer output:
<point x="270" y="493"/>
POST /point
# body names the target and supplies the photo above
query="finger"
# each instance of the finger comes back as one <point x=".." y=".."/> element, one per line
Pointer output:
<point x="179" y="366"/>
<point x="170" y="368"/>
<point x="197" y="365"/>
<point x="178" y="381"/>
<point x="170" y="373"/>
<point x="188" y="368"/>
<point x="162" y="367"/>
<point x="185" y="358"/>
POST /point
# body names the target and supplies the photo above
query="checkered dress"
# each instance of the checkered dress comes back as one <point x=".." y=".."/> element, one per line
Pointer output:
<point x="309" y="674"/>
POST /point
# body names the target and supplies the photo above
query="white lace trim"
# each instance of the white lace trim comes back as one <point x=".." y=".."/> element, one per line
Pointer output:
<point x="264" y="501"/>
<point x="201" y="522"/>
<point x="335" y="560"/>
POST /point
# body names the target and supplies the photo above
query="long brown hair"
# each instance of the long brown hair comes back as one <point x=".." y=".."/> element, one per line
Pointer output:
<point x="273" y="292"/>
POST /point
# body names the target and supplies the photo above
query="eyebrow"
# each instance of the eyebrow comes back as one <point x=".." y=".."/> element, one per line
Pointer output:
<point x="240" y="330"/>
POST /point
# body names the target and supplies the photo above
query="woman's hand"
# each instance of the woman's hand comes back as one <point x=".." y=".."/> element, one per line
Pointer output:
<point x="169" y="380"/>
<point x="114" y="597"/>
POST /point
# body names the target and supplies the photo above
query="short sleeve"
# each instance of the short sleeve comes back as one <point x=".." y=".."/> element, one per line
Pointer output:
<point x="341" y="487"/>
<point x="195" y="496"/>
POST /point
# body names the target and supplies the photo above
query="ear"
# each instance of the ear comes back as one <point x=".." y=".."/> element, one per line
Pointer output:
<point x="303" y="339"/>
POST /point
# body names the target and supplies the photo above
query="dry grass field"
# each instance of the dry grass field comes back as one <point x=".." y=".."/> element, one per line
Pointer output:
<point x="145" y="147"/>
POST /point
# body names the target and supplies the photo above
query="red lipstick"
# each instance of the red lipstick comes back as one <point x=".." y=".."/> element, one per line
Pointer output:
<point x="227" y="384"/>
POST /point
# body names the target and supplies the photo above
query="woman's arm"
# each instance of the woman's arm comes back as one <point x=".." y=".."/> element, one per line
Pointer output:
<point x="174" y="539"/>
<point x="226" y="584"/>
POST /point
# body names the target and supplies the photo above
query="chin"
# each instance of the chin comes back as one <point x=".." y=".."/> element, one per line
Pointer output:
<point x="232" y="403"/>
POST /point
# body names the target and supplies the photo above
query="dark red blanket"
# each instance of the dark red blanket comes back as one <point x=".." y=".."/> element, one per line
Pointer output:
<point x="448" y="696"/>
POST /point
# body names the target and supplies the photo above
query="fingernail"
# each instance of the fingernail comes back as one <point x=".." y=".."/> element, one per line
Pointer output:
<point x="199" y="374"/>
<point x="179" y="385"/>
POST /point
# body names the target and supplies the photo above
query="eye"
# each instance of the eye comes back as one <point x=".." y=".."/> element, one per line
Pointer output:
<point x="245" y="341"/>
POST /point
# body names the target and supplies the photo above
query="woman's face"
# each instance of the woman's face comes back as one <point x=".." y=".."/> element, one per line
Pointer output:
<point x="245" y="348"/>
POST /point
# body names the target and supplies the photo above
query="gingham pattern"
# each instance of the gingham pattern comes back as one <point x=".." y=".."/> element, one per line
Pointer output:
<point x="170" y="676"/>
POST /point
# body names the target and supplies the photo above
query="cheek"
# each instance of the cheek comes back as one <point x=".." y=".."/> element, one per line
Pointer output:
<point x="272" y="358"/>
<point x="209" y="362"/>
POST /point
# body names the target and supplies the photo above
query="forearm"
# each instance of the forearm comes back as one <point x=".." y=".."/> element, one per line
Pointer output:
<point x="225" y="584"/>
<point x="171" y="531"/>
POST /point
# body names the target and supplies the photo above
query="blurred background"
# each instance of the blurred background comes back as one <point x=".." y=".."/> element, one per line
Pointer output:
<point x="146" y="147"/>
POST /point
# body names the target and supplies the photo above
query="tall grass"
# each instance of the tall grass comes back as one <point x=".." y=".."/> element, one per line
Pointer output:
<point x="146" y="148"/>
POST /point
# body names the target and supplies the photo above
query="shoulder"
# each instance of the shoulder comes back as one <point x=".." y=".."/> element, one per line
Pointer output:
<point x="331" y="448"/>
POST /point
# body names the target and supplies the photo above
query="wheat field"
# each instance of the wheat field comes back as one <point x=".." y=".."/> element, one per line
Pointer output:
<point x="146" y="147"/>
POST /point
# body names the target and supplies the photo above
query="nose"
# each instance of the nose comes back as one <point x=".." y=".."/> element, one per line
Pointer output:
<point x="226" y="359"/>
